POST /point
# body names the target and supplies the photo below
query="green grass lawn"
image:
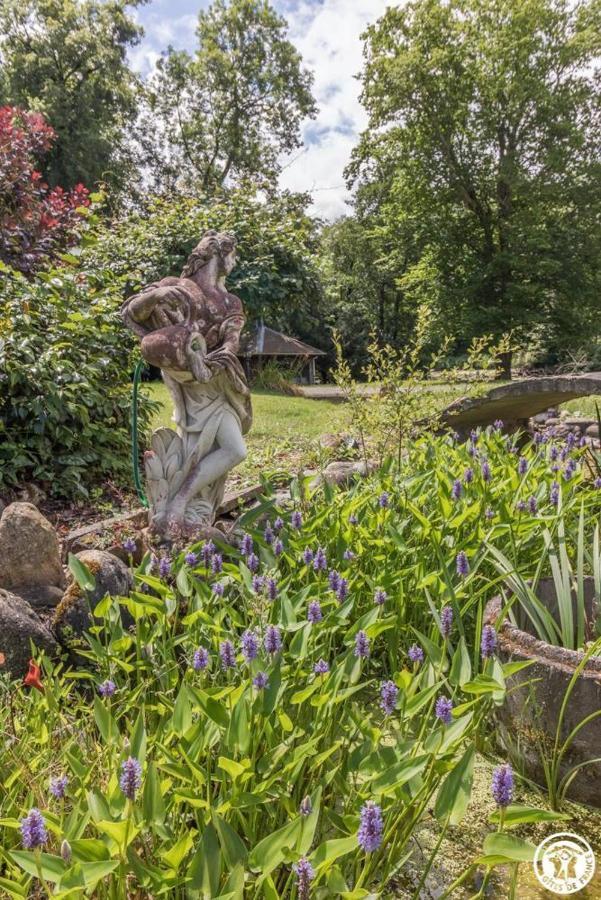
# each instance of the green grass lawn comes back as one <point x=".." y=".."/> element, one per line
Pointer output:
<point x="283" y="435"/>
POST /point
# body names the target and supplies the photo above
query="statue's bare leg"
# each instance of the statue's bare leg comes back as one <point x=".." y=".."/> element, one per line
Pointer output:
<point x="230" y="452"/>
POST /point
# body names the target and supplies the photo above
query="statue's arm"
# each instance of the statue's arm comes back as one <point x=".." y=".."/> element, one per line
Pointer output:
<point x="230" y="332"/>
<point x="170" y="305"/>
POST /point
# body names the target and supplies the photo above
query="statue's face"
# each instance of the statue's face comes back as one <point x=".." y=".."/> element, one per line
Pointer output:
<point x="229" y="260"/>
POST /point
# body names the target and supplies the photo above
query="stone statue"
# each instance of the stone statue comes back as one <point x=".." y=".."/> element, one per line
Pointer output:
<point x="190" y="328"/>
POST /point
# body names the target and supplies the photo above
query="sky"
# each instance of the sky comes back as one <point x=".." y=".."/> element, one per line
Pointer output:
<point x="327" y="34"/>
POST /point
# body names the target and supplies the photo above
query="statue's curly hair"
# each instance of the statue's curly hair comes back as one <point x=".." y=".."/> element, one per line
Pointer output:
<point x="211" y="243"/>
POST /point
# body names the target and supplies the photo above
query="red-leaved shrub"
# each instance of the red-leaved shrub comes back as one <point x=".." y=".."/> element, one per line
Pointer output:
<point x="35" y="220"/>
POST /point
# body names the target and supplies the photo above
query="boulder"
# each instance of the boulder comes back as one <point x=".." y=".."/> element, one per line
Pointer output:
<point x="30" y="563"/>
<point x="593" y="431"/>
<point x="343" y="472"/>
<point x="19" y="626"/>
<point x="73" y="616"/>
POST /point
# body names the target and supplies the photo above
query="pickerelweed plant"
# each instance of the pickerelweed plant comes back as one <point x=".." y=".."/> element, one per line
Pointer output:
<point x="278" y="718"/>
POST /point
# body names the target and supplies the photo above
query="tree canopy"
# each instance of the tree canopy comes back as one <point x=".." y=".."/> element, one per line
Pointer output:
<point x="67" y="60"/>
<point x="484" y="138"/>
<point x="231" y="110"/>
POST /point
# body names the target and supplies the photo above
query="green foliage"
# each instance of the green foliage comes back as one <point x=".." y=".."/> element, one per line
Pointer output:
<point x="65" y="392"/>
<point x="481" y="147"/>
<point x="67" y="59"/>
<point x="275" y="277"/>
<point x="234" y="108"/>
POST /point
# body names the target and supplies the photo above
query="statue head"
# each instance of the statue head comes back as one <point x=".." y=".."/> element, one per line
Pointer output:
<point x="219" y="246"/>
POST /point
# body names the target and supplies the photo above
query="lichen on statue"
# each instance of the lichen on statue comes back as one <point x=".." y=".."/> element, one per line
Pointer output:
<point x="190" y="328"/>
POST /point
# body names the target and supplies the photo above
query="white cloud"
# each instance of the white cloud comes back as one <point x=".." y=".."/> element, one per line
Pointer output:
<point x="328" y="35"/>
<point x="329" y="39"/>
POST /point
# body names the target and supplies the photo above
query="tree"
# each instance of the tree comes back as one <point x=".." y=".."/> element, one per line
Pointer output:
<point x="487" y="111"/>
<point x="35" y="221"/>
<point x="67" y="59"/>
<point x="229" y="112"/>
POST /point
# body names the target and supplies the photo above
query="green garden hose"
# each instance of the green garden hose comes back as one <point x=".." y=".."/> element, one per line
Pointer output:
<point x="135" y="450"/>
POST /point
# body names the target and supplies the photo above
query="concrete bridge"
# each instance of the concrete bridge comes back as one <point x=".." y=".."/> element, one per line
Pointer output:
<point x="518" y="401"/>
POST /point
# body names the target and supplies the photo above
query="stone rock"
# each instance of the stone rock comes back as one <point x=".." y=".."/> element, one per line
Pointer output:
<point x="73" y="616"/>
<point x="19" y="625"/>
<point x="593" y="431"/>
<point x="344" y="472"/>
<point x="30" y="563"/>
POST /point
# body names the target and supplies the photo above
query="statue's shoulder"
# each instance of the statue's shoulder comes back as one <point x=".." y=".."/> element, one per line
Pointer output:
<point x="234" y="304"/>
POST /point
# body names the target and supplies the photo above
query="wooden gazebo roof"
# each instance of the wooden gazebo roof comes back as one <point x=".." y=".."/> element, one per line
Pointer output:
<point x="264" y="341"/>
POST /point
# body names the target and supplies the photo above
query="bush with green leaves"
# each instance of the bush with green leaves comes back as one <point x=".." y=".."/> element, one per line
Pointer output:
<point x="65" y="379"/>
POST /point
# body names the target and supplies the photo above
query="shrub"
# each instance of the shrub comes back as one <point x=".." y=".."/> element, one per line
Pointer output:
<point x="65" y="396"/>
<point x="35" y="221"/>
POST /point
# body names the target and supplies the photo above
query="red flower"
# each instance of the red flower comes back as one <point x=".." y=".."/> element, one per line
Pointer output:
<point x="32" y="679"/>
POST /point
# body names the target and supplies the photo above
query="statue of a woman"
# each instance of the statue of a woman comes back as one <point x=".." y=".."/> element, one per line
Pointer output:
<point x="190" y="328"/>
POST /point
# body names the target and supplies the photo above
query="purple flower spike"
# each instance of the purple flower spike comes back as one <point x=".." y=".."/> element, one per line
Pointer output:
<point x="502" y="785"/>
<point x="342" y="592"/>
<point x="473" y="437"/>
<point x="521" y="506"/>
<point x="207" y="550"/>
<point x="190" y="559"/>
<point x="389" y="694"/>
<point x="456" y="490"/>
<point x="371" y="828"/>
<point x="498" y="424"/>
<point x="320" y="562"/>
<point x="333" y="579"/>
<point x="443" y="710"/>
<point x="446" y="621"/>
<point x="33" y="830"/>
<point x="227" y="655"/>
<point x="296" y="520"/>
<point x="532" y="505"/>
<point x="468" y="475"/>
<point x="131" y="777"/>
<point x="348" y="554"/>
<point x="258" y="583"/>
<point x="308" y="556"/>
<point x="380" y="597"/>
<point x="384" y="500"/>
<point x="361" y="645"/>
<point x="321" y="667"/>
<point x="271" y="588"/>
<point x="261" y="681"/>
<point x="273" y="639"/>
<point x="246" y="545"/>
<point x="107" y="688"/>
<point x="305" y="874"/>
<point x="314" y="613"/>
<point x="164" y="566"/>
<point x="200" y="659"/>
<point x="353" y="520"/>
<point x="278" y="547"/>
<point x="252" y="562"/>
<point x="488" y="643"/>
<point x="58" y="786"/>
<point x="462" y="564"/>
<point x="597" y="483"/>
<point x="217" y="564"/>
<point x="522" y="465"/>
<point x="129" y="545"/>
<point x="269" y="534"/>
<point x="278" y="524"/>
<point x="250" y="646"/>
<point x="485" y="470"/>
<point x="489" y="513"/>
<point x="415" y="654"/>
<point x="306" y="807"/>
<point x="554" y="493"/>
<point x="219" y="588"/>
